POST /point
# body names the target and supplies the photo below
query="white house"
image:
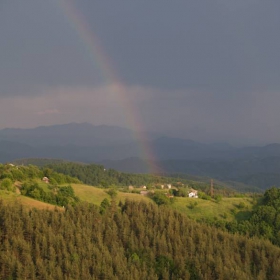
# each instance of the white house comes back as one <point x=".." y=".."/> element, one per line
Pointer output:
<point x="193" y="193"/>
<point x="46" y="180"/>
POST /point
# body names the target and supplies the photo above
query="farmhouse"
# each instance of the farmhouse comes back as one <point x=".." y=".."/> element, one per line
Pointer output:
<point x="193" y="193"/>
<point x="46" y="180"/>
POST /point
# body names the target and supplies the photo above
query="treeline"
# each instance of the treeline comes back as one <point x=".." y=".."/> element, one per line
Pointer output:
<point x="263" y="220"/>
<point x="57" y="195"/>
<point x="97" y="175"/>
<point x="26" y="173"/>
<point x="133" y="241"/>
<point x="26" y="178"/>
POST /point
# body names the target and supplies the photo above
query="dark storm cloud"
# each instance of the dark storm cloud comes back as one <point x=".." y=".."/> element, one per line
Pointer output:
<point x="39" y="48"/>
<point x="196" y="69"/>
<point x="219" y="45"/>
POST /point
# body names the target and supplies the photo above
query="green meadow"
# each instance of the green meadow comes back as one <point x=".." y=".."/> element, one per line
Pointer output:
<point x="10" y="197"/>
<point x="228" y="208"/>
<point x="96" y="195"/>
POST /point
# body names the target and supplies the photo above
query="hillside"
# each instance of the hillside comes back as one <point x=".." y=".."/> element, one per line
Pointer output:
<point x="24" y="183"/>
<point x="129" y="222"/>
<point x="224" y="208"/>
<point x="29" y="203"/>
<point x="227" y="209"/>
<point x="98" y="175"/>
<point x="139" y="241"/>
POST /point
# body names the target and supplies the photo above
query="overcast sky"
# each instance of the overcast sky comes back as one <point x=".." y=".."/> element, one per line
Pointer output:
<point x="202" y="70"/>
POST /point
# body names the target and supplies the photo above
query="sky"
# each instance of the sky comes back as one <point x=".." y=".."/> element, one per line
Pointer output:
<point x="201" y="70"/>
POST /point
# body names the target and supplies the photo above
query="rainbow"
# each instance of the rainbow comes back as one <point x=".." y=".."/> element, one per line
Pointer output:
<point x="102" y="61"/>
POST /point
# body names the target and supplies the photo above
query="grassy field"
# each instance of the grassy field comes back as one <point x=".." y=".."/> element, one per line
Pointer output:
<point x="10" y="197"/>
<point x="85" y="193"/>
<point x="227" y="208"/>
<point x="96" y="195"/>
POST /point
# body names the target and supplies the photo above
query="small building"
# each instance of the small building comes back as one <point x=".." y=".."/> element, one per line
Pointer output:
<point x="144" y="187"/>
<point x="193" y="193"/>
<point x="130" y="188"/>
<point x="46" y="180"/>
<point x="169" y="186"/>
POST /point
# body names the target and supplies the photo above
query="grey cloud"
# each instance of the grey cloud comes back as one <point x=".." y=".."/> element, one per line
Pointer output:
<point x="220" y="45"/>
<point x="39" y="47"/>
<point x="216" y="44"/>
<point x="196" y="69"/>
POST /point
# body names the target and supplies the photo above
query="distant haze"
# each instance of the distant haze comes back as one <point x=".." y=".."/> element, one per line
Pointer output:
<point x="207" y="71"/>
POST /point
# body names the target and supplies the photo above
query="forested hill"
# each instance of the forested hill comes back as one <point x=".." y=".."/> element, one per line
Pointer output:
<point x="125" y="239"/>
<point x="98" y="175"/>
<point x="23" y="173"/>
<point x="261" y="172"/>
<point x="135" y="241"/>
<point x="94" y="174"/>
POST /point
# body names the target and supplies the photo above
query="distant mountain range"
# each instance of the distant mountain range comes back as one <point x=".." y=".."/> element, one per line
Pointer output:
<point x="88" y="143"/>
<point x="78" y="134"/>
<point x="117" y="147"/>
<point x="254" y="171"/>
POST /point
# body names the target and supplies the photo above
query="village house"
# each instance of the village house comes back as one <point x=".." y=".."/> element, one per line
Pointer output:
<point x="193" y="193"/>
<point x="46" y="180"/>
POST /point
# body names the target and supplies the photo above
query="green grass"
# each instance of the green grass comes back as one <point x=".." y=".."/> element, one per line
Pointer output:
<point x="8" y="196"/>
<point x="96" y="195"/>
<point x="11" y="197"/>
<point x="44" y="186"/>
<point x="89" y="194"/>
<point x="227" y="208"/>
<point x="85" y="193"/>
<point x="133" y="196"/>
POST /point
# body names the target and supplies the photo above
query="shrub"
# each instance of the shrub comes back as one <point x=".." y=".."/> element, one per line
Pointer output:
<point x="7" y="184"/>
<point x="192" y="204"/>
